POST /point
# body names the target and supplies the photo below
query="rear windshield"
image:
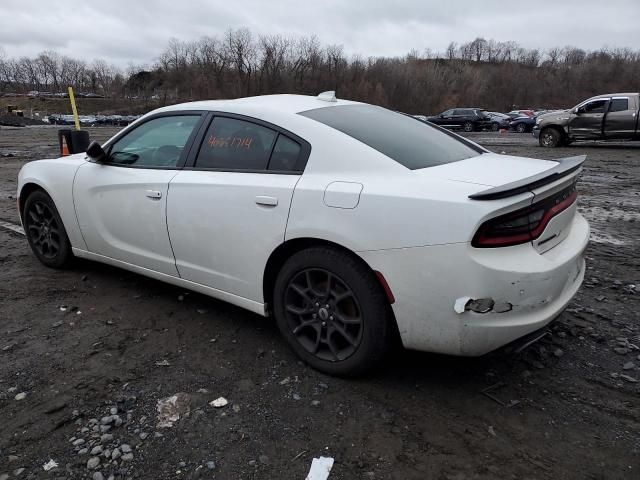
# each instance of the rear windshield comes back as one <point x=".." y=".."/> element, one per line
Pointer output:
<point x="410" y="142"/>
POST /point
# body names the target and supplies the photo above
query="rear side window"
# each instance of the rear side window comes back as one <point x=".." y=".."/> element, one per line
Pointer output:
<point x="232" y="144"/>
<point x="286" y="154"/>
<point x="619" y="105"/>
<point x="408" y="141"/>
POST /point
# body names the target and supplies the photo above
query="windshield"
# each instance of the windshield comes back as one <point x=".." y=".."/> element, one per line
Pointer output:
<point x="410" y="142"/>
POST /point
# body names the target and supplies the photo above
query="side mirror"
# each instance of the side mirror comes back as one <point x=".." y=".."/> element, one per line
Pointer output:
<point x="578" y="110"/>
<point x="96" y="152"/>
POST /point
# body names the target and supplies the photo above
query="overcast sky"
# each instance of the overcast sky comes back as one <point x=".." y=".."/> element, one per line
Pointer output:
<point x="129" y="31"/>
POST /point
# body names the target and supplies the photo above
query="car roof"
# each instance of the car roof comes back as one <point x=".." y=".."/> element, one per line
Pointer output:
<point x="280" y="103"/>
<point x="607" y="95"/>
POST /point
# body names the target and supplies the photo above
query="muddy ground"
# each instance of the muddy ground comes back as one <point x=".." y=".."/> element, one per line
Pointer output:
<point x="567" y="407"/>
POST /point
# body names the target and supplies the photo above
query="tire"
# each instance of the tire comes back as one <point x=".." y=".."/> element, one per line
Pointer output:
<point x="343" y="338"/>
<point x="550" y="138"/>
<point x="521" y="128"/>
<point x="467" y="126"/>
<point x="45" y="231"/>
<point x="495" y="127"/>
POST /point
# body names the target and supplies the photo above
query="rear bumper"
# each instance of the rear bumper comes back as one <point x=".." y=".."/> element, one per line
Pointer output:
<point x="529" y="290"/>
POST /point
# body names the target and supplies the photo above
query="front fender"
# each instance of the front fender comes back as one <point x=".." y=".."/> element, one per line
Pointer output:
<point x="56" y="177"/>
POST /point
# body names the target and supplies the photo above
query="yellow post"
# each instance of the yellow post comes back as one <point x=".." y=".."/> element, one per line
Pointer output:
<point x="73" y="107"/>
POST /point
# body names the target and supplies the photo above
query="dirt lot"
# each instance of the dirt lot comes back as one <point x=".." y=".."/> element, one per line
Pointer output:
<point x="80" y="343"/>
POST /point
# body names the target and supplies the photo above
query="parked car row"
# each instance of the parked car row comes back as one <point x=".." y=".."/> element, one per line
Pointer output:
<point x="478" y="119"/>
<point x="94" y="120"/>
<point x="38" y="94"/>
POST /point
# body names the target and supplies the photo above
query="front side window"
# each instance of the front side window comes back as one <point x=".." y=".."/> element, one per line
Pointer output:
<point x="232" y="144"/>
<point x="597" y="106"/>
<point x="410" y="142"/>
<point x="619" y="105"/>
<point x="157" y="143"/>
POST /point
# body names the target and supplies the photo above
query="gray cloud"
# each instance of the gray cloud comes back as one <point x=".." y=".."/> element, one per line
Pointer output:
<point x="126" y="31"/>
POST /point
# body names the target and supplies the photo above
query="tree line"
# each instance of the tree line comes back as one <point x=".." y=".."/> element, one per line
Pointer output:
<point x="484" y="73"/>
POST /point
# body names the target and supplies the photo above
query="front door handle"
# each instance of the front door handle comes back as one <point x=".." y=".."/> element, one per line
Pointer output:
<point x="267" y="201"/>
<point x="155" y="194"/>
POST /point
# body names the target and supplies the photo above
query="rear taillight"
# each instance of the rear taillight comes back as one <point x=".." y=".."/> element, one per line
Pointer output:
<point x="524" y="225"/>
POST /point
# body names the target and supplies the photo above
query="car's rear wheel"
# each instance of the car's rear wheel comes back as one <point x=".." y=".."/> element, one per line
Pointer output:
<point x="495" y="127"/>
<point x="550" y="137"/>
<point x="521" y="128"/>
<point x="45" y="232"/>
<point x="332" y="311"/>
<point x="467" y="126"/>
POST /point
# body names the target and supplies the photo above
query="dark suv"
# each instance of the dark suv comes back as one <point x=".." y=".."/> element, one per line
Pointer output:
<point x="468" y="119"/>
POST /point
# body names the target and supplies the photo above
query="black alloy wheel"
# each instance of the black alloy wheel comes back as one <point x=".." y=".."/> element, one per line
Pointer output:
<point x="467" y="126"/>
<point x="324" y="314"/>
<point x="45" y="232"/>
<point x="332" y="310"/>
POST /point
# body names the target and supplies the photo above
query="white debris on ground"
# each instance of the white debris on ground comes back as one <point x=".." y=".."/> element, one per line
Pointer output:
<point x="51" y="464"/>
<point x="170" y="409"/>
<point x="320" y="468"/>
<point x="219" y="402"/>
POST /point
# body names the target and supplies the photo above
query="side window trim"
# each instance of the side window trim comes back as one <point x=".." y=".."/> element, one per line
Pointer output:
<point x="305" y="146"/>
<point x="185" y="152"/>
<point x="273" y="147"/>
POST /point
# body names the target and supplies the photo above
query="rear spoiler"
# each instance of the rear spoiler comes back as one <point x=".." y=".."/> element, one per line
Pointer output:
<point x="565" y="167"/>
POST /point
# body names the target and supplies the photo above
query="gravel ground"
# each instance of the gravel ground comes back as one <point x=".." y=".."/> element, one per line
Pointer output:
<point x="87" y="355"/>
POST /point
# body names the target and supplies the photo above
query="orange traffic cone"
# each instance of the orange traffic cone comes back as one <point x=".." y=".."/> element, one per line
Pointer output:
<point x="64" y="148"/>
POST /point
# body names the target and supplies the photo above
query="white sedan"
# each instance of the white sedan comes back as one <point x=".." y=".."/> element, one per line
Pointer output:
<point x="351" y="224"/>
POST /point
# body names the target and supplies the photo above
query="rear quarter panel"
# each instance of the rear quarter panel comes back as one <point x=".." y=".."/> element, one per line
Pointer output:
<point x="55" y="176"/>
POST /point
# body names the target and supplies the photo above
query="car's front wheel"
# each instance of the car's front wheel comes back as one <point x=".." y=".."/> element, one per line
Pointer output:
<point x="332" y="311"/>
<point x="521" y="128"/>
<point x="45" y="232"/>
<point x="550" y="137"/>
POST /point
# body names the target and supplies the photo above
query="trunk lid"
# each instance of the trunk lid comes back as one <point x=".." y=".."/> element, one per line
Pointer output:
<point x="499" y="177"/>
<point x="489" y="169"/>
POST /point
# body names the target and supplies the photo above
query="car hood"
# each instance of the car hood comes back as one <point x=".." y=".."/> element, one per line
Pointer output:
<point x="557" y="113"/>
<point x="488" y="169"/>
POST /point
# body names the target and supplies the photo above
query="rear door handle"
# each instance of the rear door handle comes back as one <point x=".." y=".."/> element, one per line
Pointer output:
<point x="155" y="194"/>
<point x="267" y="201"/>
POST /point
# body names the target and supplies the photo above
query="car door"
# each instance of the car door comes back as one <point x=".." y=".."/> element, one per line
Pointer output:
<point x="620" y="120"/>
<point x="587" y="119"/>
<point x="443" y="119"/>
<point x="121" y="202"/>
<point x="459" y="117"/>
<point x="228" y="209"/>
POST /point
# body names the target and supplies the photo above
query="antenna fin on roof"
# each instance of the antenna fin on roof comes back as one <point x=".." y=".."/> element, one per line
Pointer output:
<point x="329" y="96"/>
